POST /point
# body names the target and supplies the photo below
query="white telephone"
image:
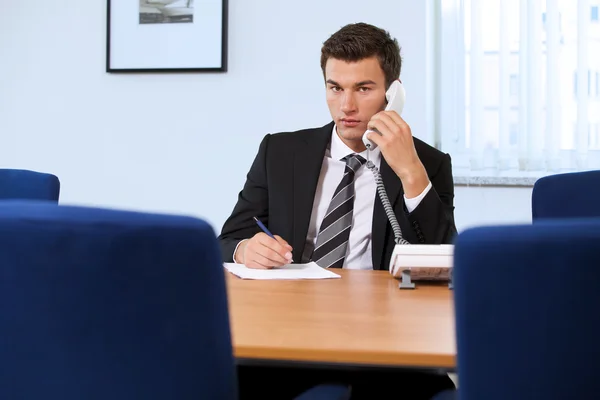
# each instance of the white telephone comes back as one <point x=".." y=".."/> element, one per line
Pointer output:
<point x="396" y="96"/>
<point x="405" y="255"/>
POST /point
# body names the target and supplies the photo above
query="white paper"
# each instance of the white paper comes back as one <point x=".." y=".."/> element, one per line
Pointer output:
<point x="288" y="271"/>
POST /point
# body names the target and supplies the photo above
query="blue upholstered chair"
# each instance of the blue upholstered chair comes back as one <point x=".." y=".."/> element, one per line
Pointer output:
<point x="107" y="304"/>
<point x="527" y="319"/>
<point x="28" y="185"/>
<point x="570" y="195"/>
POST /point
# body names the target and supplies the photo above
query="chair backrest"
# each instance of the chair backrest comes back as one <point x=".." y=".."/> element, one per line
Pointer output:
<point x="28" y="185"/>
<point x="570" y="195"/>
<point x="107" y="304"/>
<point x="527" y="320"/>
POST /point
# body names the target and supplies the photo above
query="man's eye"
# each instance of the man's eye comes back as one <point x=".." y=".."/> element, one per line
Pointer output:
<point x="336" y="88"/>
<point x="363" y="89"/>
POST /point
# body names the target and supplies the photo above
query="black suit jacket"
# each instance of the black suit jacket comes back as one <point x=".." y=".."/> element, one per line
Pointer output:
<point x="281" y="185"/>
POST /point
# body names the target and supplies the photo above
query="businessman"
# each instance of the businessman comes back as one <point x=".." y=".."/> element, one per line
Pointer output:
<point x="311" y="187"/>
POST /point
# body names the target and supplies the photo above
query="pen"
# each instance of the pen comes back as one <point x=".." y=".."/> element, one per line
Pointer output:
<point x="263" y="227"/>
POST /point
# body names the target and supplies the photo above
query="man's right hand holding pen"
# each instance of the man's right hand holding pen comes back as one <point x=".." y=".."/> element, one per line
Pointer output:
<point x="264" y="250"/>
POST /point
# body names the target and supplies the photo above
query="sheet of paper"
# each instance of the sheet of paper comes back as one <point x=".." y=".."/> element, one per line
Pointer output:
<point x="288" y="271"/>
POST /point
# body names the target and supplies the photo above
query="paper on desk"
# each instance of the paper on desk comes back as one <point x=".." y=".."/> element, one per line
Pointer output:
<point x="288" y="271"/>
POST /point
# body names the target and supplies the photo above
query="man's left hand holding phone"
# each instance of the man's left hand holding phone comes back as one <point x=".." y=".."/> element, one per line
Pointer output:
<point x="263" y="251"/>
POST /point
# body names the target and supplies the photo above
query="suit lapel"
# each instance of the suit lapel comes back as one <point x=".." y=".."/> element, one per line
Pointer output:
<point x="381" y="225"/>
<point x="308" y="159"/>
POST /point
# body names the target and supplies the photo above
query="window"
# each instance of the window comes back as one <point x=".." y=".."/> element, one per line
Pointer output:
<point x="514" y="85"/>
<point x="595" y="138"/>
<point x="523" y="100"/>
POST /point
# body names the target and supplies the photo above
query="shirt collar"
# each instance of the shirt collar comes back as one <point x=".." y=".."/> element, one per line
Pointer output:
<point x="339" y="149"/>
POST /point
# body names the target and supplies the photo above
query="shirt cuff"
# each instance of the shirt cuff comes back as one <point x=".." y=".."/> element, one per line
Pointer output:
<point x="411" y="204"/>
<point x="235" y="251"/>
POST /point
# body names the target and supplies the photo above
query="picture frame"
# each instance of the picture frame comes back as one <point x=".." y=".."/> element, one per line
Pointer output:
<point x="166" y="36"/>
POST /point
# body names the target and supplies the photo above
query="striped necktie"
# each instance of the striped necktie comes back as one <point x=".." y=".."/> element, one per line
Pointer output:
<point x="332" y="240"/>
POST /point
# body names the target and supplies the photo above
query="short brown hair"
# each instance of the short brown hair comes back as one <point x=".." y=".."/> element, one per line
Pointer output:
<point x="355" y="42"/>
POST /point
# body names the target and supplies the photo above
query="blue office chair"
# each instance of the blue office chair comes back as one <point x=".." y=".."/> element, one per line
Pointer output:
<point x="108" y="304"/>
<point x="569" y="195"/>
<point x="527" y="320"/>
<point x="28" y="185"/>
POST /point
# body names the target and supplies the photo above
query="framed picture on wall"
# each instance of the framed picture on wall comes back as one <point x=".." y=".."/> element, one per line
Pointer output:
<point x="166" y="36"/>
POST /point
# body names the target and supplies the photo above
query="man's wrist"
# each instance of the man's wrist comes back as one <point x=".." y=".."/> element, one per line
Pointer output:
<point x="413" y="202"/>
<point x="239" y="252"/>
<point x="414" y="181"/>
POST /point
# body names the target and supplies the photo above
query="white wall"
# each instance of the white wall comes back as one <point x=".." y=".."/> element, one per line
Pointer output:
<point x="182" y="143"/>
<point x="491" y="205"/>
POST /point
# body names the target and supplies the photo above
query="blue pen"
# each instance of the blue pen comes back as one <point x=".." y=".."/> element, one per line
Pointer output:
<point x="263" y="227"/>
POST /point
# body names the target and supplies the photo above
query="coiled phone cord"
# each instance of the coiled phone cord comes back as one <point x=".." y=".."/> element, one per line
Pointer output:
<point x="386" y="202"/>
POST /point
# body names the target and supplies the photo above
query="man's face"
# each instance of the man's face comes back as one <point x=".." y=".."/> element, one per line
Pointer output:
<point x="355" y="92"/>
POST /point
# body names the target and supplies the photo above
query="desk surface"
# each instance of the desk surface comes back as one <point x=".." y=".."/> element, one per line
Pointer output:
<point x="360" y="319"/>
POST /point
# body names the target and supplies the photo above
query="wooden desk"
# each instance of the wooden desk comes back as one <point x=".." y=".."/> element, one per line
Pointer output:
<point x="360" y="319"/>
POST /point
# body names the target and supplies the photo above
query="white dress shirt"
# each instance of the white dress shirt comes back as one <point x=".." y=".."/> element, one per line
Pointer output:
<point x="365" y="189"/>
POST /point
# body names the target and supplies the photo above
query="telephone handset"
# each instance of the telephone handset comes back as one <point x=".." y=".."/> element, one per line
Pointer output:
<point x="396" y="97"/>
<point x="405" y="255"/>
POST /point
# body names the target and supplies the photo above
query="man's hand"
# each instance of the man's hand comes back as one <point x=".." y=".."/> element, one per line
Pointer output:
<point x="398" y="149"/>
<point x="264" y="252"/>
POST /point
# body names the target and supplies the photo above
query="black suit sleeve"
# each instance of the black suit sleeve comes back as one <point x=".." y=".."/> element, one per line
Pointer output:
<point x="433" y="219"/>
<point x="252" y="202"/>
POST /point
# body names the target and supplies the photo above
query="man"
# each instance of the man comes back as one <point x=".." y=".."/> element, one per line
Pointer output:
<point x="311" y="187"/>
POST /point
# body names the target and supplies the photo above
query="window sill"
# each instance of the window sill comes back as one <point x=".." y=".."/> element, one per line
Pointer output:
<point x="506" y="181"/>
